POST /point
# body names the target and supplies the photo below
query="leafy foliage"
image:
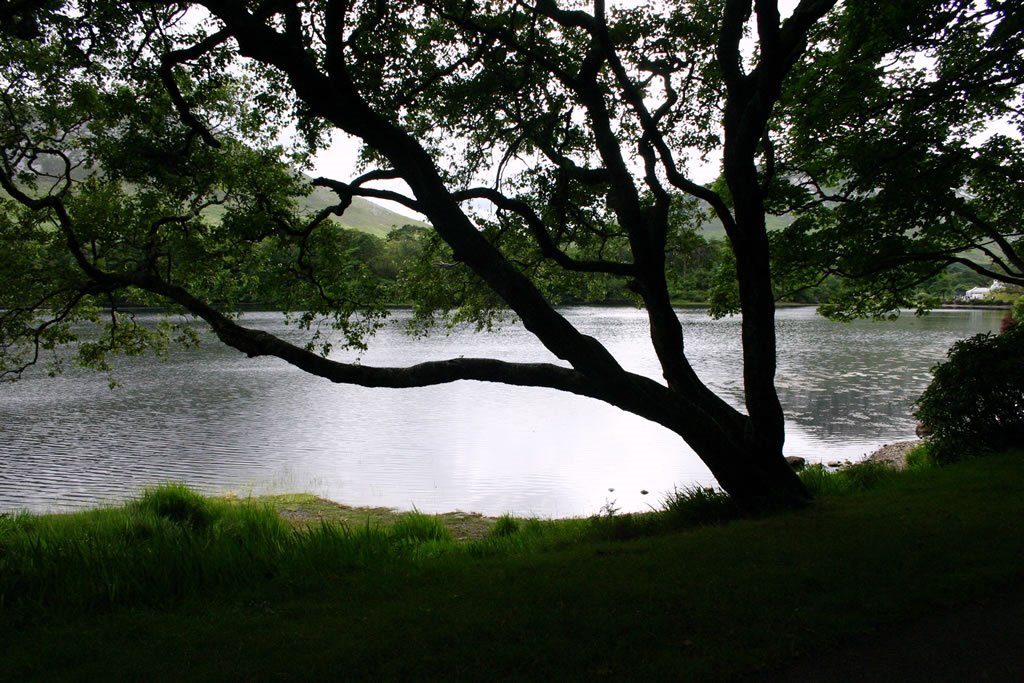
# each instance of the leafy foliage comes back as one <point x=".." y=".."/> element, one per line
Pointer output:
<point x="1017" y="312"/>
<point x="112" y="173"/>
<point x="976" y="397"/>
<point x="900" y="151"/>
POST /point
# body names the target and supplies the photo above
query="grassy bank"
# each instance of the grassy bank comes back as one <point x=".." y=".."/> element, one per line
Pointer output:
<point x="531" y="599"/>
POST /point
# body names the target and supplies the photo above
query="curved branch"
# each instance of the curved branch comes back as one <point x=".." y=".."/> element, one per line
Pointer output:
<point x="167" y="64"/>
<point x="1007" y="276"/>
<point x="348" y="190"/>
<point x="253" y="343"/>
<point x="63" y="220"/>
<point x="626" y="390"/>
<point x="37" y="332"/>
<point x="962" y="208"/>
<point x="376" y="174"/>
<point x="547" y="246"/>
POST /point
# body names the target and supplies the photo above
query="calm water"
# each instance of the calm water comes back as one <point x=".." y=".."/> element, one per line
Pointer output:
<point x="219" y="421"/>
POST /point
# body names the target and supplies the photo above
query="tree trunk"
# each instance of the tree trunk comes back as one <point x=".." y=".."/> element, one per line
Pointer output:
<point x="757" y="476"/>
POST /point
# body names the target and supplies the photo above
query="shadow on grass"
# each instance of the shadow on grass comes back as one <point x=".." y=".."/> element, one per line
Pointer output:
<point x="221" y="589"/>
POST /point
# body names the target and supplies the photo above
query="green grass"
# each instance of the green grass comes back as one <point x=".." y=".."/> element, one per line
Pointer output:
<point x="302" y="510"/>
<point x="533" y="599"/>
<point x="856" y="478"/>
<point x="173" y="542"/>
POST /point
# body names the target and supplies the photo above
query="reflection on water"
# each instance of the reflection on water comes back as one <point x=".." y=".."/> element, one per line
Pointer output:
<point x="220" y="421"/>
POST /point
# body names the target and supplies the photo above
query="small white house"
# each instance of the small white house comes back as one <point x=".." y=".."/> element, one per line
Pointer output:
<point x="981" y="292"/>
<point x="977" y="293"/>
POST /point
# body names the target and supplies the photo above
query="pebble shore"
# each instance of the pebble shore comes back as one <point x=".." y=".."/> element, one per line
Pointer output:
<point x="893" y="454"/>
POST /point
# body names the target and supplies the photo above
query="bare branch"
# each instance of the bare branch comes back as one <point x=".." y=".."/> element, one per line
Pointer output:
<point x="540" y="233"/>
<point x="353" y="189"/>
<point x="167" y="64"/>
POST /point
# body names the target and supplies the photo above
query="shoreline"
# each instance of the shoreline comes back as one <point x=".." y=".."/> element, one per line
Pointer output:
<point x="893" y="454"/>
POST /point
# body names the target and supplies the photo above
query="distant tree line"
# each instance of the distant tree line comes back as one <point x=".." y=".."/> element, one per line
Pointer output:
<point x="699" y="270"/>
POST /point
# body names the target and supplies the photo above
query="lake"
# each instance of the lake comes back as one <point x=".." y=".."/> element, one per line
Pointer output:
<point x="222" y="422"/>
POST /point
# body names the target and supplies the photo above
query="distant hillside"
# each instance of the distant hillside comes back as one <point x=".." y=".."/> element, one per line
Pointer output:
<point x="363" y="215"/>
<point x="713" y="229"/>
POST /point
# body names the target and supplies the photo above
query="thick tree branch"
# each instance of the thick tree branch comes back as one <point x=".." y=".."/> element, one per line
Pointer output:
<point x="730" y="33"/>
<point x="338" y="100"/>
<point x="963" y="209"/>
<point x="793" y="34"/>
<point x="767" y="12"/>
<point x="1009" y="277"/>
<point x="547" y="246"/>
<point x="348" y="190"/>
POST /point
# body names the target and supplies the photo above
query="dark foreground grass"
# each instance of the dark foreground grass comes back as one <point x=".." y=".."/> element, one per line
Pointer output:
<point x="716" y="601"/>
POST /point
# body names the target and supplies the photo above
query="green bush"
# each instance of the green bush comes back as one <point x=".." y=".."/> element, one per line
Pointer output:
<point x="976" y="398"/>
<point x="177" y="503"/>
<point x="1017" y="312"/>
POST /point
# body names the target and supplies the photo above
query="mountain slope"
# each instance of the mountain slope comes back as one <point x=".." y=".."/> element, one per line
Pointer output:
<point x="713" y="228"/>
<point x="362" y="215"/>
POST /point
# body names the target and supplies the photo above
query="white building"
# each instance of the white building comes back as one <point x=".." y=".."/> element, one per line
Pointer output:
<point x="981" y="292"/>
<point x="977" y="293"/>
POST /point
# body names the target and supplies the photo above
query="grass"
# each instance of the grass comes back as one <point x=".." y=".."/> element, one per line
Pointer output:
<point x="856" y="478"/>
<point x="302" y="510"/>
<point x="173" y="542"/>
<point x="558" y="599"/>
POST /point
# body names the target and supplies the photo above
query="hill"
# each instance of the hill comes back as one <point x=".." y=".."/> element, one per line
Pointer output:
<point x="363" y="215"/>
<point x="713" y="229"/>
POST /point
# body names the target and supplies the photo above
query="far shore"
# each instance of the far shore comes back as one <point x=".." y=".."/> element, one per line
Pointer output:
<point x="617" y="303"/>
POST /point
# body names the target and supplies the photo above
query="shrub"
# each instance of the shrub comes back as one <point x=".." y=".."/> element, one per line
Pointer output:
<point x="177" y="503"/>
<point x="976" y="398"/>
<point x="1017" y="312"/>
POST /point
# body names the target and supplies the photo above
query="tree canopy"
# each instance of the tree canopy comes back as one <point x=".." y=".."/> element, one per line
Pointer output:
<point x="148" y="154"/>
<point x="902" y="150"/>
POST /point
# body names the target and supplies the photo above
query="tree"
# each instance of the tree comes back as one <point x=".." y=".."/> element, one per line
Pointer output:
<point x="139" y="154"/>
<point x="900" y="150"/>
